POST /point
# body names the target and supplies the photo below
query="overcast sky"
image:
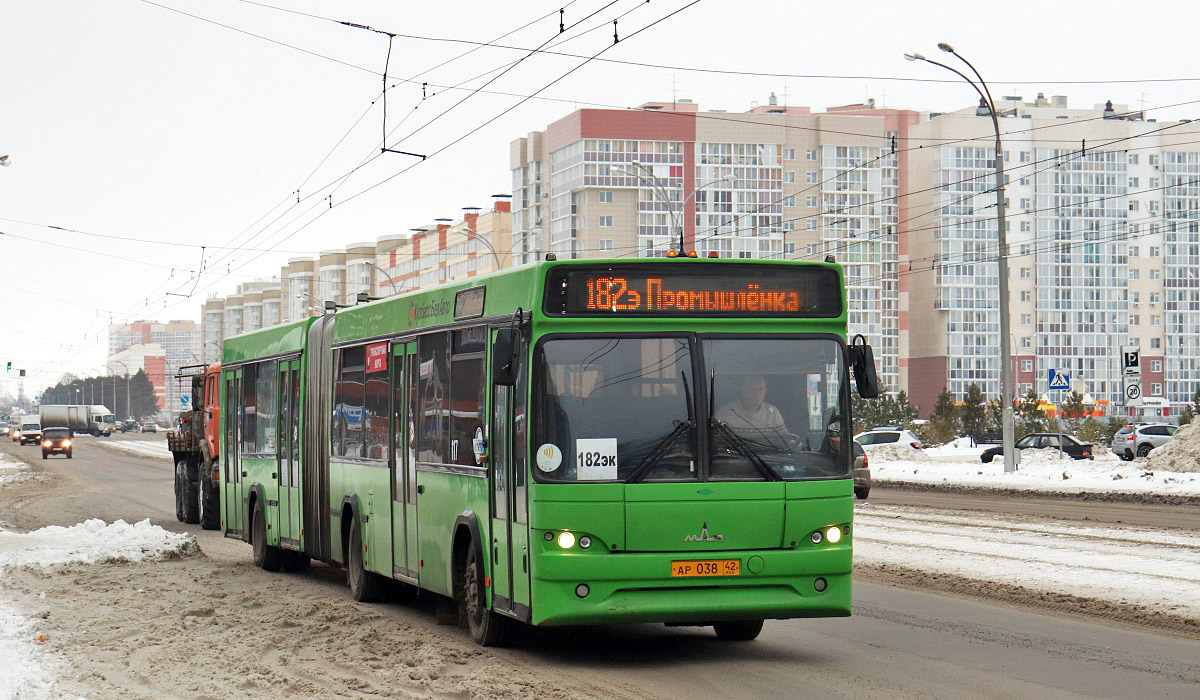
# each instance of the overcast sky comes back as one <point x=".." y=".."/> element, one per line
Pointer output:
<point x="130" y="118"/>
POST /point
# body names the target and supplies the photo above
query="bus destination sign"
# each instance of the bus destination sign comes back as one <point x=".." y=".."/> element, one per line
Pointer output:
<point x="694" y="289"/>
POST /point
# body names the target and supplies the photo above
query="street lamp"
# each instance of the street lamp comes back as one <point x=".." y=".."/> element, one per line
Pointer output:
<point x="378" y="269"/>
<point x="662" y="194"/>
<point x="128" y="408"/>
<point x="1006" y="375"/>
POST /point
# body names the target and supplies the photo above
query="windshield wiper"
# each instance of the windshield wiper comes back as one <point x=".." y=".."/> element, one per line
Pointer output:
<point x="643" y="468"/>
<point x="744" y="447"/>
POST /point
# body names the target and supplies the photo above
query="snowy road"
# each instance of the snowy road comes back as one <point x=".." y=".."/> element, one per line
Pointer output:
<point x="117" y="630"/>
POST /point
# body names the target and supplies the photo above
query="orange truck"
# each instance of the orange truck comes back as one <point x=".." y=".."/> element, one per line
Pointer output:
<point x="194" y="444"/>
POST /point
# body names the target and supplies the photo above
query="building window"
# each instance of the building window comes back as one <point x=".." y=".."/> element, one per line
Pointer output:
<point x="1155" y="365"/>
<point x="606" y="222"/>
<point x="810" y="154"/>
<point x="1154" y="274"/>
<point x="811" y="177"/>
<point x="1133" y="183"/>
<point x="789" y="225"/>
<point x="1133" y="250"/>
<point x="1153" y="159"/>
<point x="789" y="176"/>
<point x="606" y="196"/>
<point x="1155" y="344"/>
<point x="1133" y="205"/>
<point x="1133" y="159"/>
<point x="1025" y="229"/>
<point x="1025" y="203"/>
<point x="1026" y="342"/>
<point x="810" y="225"/>
<point x="1026" y="388"/>
<point x="1135" y="297"/>
<point x="1154" y="183"/>
<point x="789" y="201"/>
<point x="1135" y="320"/>
<point x="1026" y="319"/>
<point x="1134" y="274"/>
<point x="789" y="154"/>
<point x="1154" y="297"/>
<point x="813" y="248"/>
<point x="789" y="248"/>
<point x="1024" y="156"/>
<point x="1026" y="365"/>
<point x="604" y="244"/>
<point x="1025" y="273"/>
<point x="810" y="200"/>
<point x="1154" y="251"/>
<point x="1026" y="296"/>
<point x="1156" y="389"/>
<point x="1154" y="320"/>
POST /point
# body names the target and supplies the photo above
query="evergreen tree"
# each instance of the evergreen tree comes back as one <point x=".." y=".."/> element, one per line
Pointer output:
<point x="1029" y="418"/>
<point x="141" y="396"/>
<point x="974" y="415"/>
<point x="1074" y="410"/>
<point x="943" y="425"/>
<point x="904" y="411"/>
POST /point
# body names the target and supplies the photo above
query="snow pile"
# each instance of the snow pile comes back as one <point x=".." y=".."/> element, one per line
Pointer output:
<point x="1045" y="455"/>
<point x="93" y="541"/>
<point x="895" y="451"/>
<point x="27" y="670"/>
<point x="142" y="448"/>
<point x="1181" y="453"/>
<point x="1105" y="474"/>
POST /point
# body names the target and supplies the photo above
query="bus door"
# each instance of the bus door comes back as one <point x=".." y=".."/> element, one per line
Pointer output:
<point x="288" y="467"/>
<point x="403" y="464"/>
<point x="509" y="509"/>
<point x="231" y="455"/>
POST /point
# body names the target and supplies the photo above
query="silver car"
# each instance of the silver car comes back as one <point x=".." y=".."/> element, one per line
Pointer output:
<point x="1138" y="439"/>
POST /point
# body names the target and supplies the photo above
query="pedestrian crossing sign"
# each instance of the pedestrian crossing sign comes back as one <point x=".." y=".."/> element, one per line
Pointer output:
<point x="1059" y="379"/>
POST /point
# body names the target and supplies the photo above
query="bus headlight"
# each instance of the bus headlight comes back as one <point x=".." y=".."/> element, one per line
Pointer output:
<point x="834" y="535"/>
<point x="566" y="540"/>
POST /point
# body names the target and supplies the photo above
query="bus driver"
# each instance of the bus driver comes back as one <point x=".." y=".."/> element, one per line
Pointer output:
<point x="750" y="412"/>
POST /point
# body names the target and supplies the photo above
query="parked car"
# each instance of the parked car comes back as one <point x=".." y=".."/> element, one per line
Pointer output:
<point x="56" y="441"/>
<point x="1137" y="439"/>
<point x="886" y="435"/>
<point x="149" y="427"/>
<point x="862" y="472"/>
<point x="129" y="425"/>
<point x="1071" y="445"/>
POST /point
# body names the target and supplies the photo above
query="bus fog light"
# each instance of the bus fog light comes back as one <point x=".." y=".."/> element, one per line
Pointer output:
<point x="549" y="536"/>
<point x="582" y="590"/>
<point x="820" y="584"/>
<point x="817" y="537"/>
<point x="585" y="542"/>
<point x="566" y="540"/>
<point x="834" y="535"/>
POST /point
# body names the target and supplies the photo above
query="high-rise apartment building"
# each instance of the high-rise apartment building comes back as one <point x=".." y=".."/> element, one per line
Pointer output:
<point x="775" y="182"/>
<point x="1102" y="209"/>
<point x="135" y="346"/>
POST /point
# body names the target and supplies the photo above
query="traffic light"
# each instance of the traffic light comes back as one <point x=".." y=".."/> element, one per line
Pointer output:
<point x="9" y="370"/>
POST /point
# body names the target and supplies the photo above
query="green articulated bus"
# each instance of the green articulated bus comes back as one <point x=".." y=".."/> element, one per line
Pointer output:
<point x="565" y="443"/>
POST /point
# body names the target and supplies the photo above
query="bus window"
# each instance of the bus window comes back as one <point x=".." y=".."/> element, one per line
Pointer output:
<point x="466" y="392"/>
<point x="433" y="412"/>
<point x="347" y="436"/>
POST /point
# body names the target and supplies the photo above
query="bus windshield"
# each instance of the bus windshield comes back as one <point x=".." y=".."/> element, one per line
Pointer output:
<point x="630" y="409"/>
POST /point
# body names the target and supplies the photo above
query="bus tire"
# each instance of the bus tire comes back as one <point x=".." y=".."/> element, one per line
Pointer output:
<point x="365" y="586"/>
<point x="739" y="630"/>
<point x="488" y="629"/>
<point x="210" y="505"/>
<point x="265" y="556"/>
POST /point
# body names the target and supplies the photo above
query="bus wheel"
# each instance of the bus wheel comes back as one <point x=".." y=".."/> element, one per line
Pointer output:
<point x="487" y="628"/>
<point x="365" y="586"/>
<point x="210" y="505"/>
<point x="739" y="631"/>
<point x="265" y="556"/>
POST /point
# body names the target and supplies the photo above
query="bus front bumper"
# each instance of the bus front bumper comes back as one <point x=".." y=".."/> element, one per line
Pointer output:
<point x="639" y="587"/>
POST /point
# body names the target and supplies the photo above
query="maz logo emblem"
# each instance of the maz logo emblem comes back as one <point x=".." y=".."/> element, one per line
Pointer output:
<point x="704" y="536"/>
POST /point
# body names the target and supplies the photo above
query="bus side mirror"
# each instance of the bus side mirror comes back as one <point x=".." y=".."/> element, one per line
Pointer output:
<point x="862" y="363"/>
<point x="504" y="357"/>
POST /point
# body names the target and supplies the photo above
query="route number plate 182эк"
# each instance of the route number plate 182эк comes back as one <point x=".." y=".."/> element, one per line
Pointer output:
<point x="718" y="567"/>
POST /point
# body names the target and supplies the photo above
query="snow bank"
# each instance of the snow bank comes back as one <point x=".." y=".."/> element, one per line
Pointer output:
<point x="1181" y="453"/>
<point x="142" y="448"/>
<point x="1040" y="470"/>
<point x="895" y="451"/>
<point x="27" y="670"/>
<point x="10" y="467"/>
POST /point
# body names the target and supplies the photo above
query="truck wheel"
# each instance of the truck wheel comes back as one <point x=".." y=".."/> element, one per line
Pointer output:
<point x="365" y="586"/>
<point x="265" y="556"/>
<point x="488" y="628"/>
<point x="187" y="501"/>
<point x="739" y="631"/>
<point x="210" y="505"/>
